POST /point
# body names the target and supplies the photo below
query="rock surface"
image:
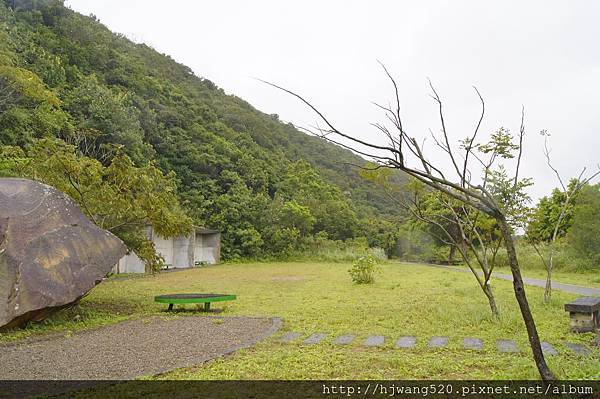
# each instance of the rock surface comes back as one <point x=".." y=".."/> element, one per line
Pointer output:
<point x="51" y="255"/>
<point x="374" y="340"/>
<point x="289" y="337"/>
<point x="507" y="346"/>
<point x="406" y="342"/>
<point x="473" y="344"/>
<point x="345" y="339"/>
<point x="315" y="338"/>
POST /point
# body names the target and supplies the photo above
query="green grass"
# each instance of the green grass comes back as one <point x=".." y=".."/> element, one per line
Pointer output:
<point x="319" y="297"/>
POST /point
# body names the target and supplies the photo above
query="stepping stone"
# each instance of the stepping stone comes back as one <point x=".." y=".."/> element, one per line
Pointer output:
<point x="507" y="346"/>
<point x="406" y="342"/>
<point x="344" y="339"/>
<point x="289" y="337"/>
<point x="548" y="349"/>
<point x="315" y="338"/>
<point x="437" y="342"/>
<point x="374" y="340"/>
<point x="474" y="344"/>
<point x="578" y="349"/>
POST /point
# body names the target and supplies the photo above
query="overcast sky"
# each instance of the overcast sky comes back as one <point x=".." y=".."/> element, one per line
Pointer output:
<point x="543" y="55"/>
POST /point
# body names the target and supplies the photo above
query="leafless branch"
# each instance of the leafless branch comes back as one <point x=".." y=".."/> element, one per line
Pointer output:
<point x="521" y="135"/>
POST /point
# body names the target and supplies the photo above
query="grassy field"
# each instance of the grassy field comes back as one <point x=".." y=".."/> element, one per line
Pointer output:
<point x="317" y="297"/>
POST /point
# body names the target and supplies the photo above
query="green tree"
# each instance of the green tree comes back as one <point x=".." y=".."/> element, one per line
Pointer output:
<point x="551" y="227"/>
<point x="584" y="234"/>
<point x="545" y="216"/>
<point x="109" y="116"/>
<point x="331" y="210"/>
<point x="120" y="197"/>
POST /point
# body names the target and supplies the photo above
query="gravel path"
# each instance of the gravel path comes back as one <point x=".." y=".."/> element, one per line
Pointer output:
<point x="132" y="349"/>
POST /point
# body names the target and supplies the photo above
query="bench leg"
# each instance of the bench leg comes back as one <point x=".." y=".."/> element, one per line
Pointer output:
<point x="170" y="307"/>
<point x="206" y="306"/>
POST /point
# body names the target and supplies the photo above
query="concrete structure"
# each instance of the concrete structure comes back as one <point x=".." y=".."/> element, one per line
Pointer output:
<point x="201" y="247"/>
<point x="585" y="314"/>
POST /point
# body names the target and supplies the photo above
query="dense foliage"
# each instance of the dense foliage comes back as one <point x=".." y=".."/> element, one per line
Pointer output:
<point x="584" y="234"/>
<point x="268" y="187"/>
<point x="545" y="217"/>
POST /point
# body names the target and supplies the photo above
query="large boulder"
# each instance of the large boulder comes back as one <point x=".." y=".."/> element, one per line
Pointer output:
<point x="51" y="255"/>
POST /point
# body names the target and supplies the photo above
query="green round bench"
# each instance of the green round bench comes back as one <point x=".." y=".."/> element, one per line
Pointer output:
<point x="206" y="299"/>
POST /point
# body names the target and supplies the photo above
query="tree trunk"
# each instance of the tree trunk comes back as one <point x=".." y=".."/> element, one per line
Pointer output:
<point x="452" y="254"/>
<point x="490" y="296"/>
<point x="534" y="339"/>
<point x="548" y="288"/>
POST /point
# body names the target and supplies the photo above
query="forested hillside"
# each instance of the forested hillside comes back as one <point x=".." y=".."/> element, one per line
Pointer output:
<point x="268" y="187"/>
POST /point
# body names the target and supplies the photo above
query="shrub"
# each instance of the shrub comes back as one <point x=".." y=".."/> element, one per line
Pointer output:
<point x="364" y="269"/>
<point x="441" y="254"/>
<point x="319" y="247"/>
<point x="378" y="253"/>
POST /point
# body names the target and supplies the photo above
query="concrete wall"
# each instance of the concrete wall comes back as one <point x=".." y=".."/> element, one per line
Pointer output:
<point x="164" y="246"/>
<point x="208" y="248"/>
<point x="179" y="252"/>
<point x="183" y="251"/>
<point x="129" y="263"/>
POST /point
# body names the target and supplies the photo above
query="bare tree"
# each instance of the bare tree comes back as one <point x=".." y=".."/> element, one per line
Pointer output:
<point x="398" y="152"/>
<point x="569" y="192"/>
<point x="87" y="143"/>
<point x="468" y="240"/>
<point x="475" y="236"/>
<point x="449" y="222"/>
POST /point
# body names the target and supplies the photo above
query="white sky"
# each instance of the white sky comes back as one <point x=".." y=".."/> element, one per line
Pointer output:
<point x="540" y="54"/>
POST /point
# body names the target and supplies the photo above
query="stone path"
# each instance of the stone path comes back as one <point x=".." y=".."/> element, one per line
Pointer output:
<point x="406" y="342"/>
<point x="536" y="282"/>
<point x="374" y="340"/>
<point x="290" y="337"/>
<point x="578" y="349"/>
<point x="315" y="338"/>
<point x="345" y="339"/>
<point x="474" y="344"/>
<point x="409" y="342"/>
<point x="506" y="346"/>
<point x="437" y="342"/>
<point x="548" y="349"/>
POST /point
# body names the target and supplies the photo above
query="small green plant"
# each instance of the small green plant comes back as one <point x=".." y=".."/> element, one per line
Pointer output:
<point x="364" y="269"/>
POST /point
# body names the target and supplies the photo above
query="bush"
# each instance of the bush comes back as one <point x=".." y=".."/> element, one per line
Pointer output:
<point x="321" y="248"/>
<point x="364" y="269"/>
<point x="378" y="253"/>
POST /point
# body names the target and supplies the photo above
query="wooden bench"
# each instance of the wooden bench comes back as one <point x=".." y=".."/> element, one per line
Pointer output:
<point x="206" y="299"/>
<point x="585" y="314"/>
